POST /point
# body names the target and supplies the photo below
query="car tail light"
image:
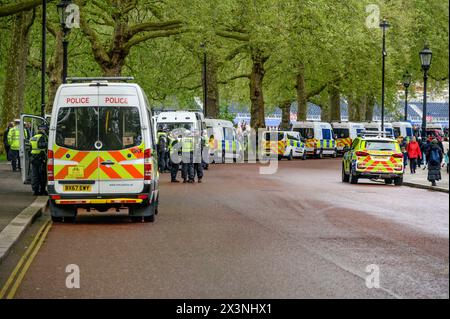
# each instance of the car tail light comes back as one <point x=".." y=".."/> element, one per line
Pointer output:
<point x="50" y="166"/>
<point x="147" y="164"/>
<point x="362" y="153"/>
<point x="145" y="196"/>
<point x="397" y="155"/>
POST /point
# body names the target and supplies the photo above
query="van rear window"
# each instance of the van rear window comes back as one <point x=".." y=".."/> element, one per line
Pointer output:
<point x="115" y="127"/>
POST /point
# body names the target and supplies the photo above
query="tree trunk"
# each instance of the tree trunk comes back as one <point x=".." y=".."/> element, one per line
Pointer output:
<point x="256" y="91"/>
<point x="334" y="102"/>
<point x="370" y="101"/>
<point x="285" y="115"/>
<point x="212" y="94"/>
<point x="302" y="108"/>
<point x="14" y="89"/>
<point x="54" y="71"/>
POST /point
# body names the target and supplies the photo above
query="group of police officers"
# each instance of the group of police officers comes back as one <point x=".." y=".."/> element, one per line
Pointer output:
<point x="175" y="149"/>
<point x="38" y="155"/>
<point x="182" y="148"/>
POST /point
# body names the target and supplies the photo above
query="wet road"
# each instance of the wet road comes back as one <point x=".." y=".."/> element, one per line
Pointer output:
<point x="299" y="233"/>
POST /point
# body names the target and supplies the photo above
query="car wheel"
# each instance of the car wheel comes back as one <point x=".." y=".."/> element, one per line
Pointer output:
<point x="398" y="181"/>
<point x="345" y="177"/>
<point x="291" y="156"/>
<point x="353" y="178"/>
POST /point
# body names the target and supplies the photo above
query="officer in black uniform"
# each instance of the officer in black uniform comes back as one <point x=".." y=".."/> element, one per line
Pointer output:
<point x="39" y="144"/>
<point x="174" y="150"/>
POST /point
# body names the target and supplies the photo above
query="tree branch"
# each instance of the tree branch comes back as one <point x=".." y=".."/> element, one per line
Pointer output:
<point x="10" y="9"/>
<point x="154" y="26"/>
<point x="152" y="35"/>
<point x="233" y="35"/>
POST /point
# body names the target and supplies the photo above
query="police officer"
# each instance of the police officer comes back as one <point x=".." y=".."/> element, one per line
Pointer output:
<point x="174" y="148"/>
<point x="187" y="167"/>
<point x="14" y="144"/>
<point x="198" y="158"/>
<point x="162" y="150"/>
<point x="39" y="143"/>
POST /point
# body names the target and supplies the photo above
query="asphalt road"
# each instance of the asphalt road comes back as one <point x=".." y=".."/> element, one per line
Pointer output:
<point x="299" y="233"/>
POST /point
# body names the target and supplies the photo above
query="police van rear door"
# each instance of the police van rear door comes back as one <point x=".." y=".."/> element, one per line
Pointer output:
<point x="75" y="144"/>
<point x="28" y="128"/>
<point x="123" y="143"/>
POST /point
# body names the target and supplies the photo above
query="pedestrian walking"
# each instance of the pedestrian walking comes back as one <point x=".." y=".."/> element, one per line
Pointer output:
<point x="424" y="149"/>
<point x="39" y="144"/>
<point x="5" y="140"/>
<point x="14" y="144"/>
<point x="414" y="154"/>
<point x="434" y="158"/>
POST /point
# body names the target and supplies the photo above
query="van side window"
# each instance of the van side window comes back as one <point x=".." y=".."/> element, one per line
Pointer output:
<point x="228" y="132"/>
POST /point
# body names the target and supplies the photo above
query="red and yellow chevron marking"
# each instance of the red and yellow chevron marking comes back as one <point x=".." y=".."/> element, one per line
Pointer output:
<point x="312" y="143"/>
<point x="90" y="168"/>
<point x="343" y="142"/>
<point x="369" y="164"/>
<point x="276" y="147"/>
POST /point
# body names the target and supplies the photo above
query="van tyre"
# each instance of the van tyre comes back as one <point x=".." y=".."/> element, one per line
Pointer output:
<point x="353" y="178"/>
<point x="345" y="177"/>
<point x="398" y="181"/>
<point x="388" y="181"/>
<point x="291" y="156"/>
<point x="143" y="214"/>
<point x="304" y="156"/>
<point x="62" y="213"/>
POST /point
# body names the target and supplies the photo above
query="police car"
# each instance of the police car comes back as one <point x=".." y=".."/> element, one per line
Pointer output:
<point x="284" y="144"/>
<point x="373" y="156"/>
<point x="101" y="150"/>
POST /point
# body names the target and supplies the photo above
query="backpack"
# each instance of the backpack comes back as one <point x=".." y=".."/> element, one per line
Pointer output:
<point x="435" y="159"/>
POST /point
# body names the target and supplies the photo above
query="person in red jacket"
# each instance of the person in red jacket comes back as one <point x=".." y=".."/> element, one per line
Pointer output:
<point x="414" y="153"/>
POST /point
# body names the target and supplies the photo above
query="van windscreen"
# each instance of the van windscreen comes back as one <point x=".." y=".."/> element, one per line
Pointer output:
<point x="341" y="132"/>
<point x="117" y="128"/>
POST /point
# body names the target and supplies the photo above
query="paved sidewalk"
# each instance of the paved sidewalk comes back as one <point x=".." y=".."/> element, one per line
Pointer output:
<point x="420" y="180"/>
<point x="14" y="195"/>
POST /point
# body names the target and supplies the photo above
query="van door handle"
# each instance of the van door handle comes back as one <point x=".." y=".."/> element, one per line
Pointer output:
<point x="108" y="162"/>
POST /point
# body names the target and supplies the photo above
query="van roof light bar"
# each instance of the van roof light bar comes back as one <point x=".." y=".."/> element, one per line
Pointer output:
<point x="97" y="79"/>
<point x="374" y="133"/>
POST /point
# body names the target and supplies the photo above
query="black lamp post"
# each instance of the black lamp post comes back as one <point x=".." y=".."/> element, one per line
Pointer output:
<point x="205" y="82"/>
<point x="384" y="26"/>
<point x="63" y="14"/>
<point x="44" y="55"/>
<point x="406" y="84"/>
<point x="425" y="58"/>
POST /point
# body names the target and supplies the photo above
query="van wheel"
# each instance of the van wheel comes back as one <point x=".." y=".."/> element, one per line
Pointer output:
<point x="62" y="214"/>
<point x="143" y="214"/>
<point x="56" y="219"/>
<point x="304" y="156"/>
<point x="291" y="156"/>
<point x="398" y="181"/>
<point x="353" y="178"/>
<point x="345" y="177"/>
<point x="388" y="181"/>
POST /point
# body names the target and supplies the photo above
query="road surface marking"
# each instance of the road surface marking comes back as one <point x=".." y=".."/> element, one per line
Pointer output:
<point x="16" y="277"/>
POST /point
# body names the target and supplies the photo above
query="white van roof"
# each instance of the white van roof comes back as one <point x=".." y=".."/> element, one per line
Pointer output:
<point x="346" y="124"/>
<point x="310" y="124"/>
<point x="218" y="122"/>
<point x="86" y="94"/>
<point x="178" y="116"/>
<point x="400" y="124"/>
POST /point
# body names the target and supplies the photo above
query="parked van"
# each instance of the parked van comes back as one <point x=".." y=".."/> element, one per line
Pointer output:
<point x="376" y="126"/>
<point x="100" y="150"/>
<point x="345" y="133"/>
<point x="224" y="140"/>
<point x="318" y="137"/>
<point x="403" y="129"/>
<point x="284" y="144"/>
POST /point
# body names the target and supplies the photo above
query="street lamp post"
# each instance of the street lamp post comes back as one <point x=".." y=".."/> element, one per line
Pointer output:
<point x="425" y="58"/>
<point x="44" y="54"/>
<point x="205" y="82"/>
<point x="406" y="83"/>
<point x="384" y="25"/>
<point x="63" y="14"/>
